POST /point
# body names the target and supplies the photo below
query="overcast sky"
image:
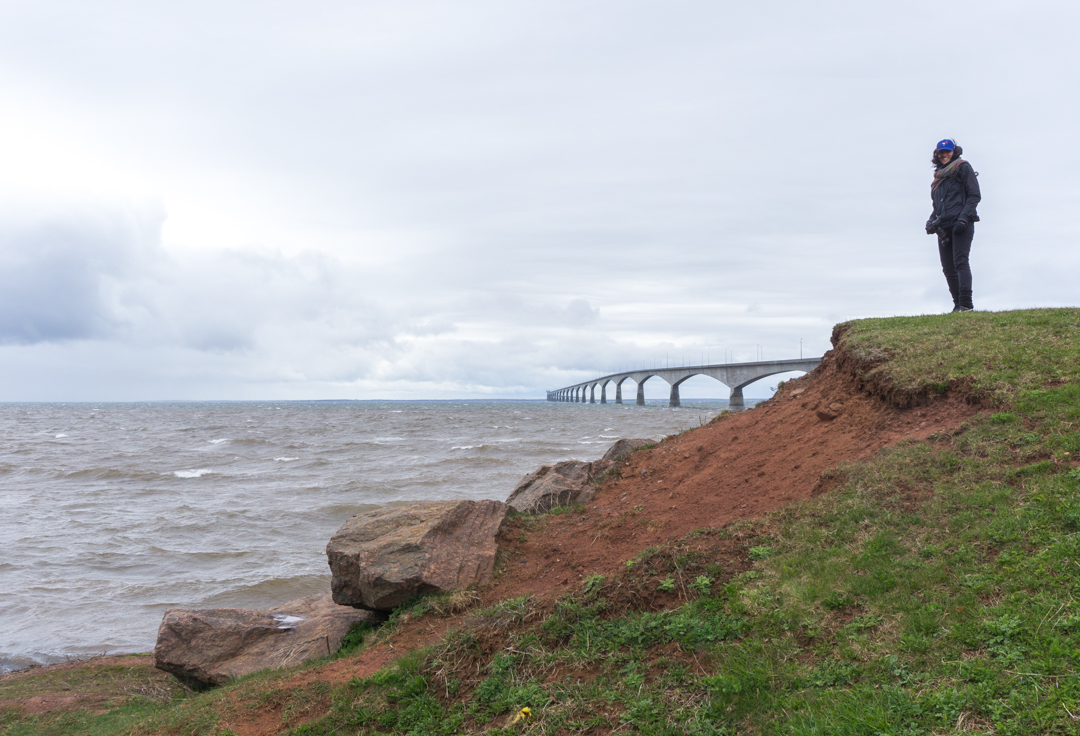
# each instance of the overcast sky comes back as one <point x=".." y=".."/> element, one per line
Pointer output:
<point x="288" y="200"/>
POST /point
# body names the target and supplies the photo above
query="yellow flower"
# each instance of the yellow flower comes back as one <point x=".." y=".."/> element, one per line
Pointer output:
<point x="522" y="715"/>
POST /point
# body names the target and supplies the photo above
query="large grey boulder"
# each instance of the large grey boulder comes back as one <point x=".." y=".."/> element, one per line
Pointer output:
<point x="623" y="448"/>
<point x="563" y="484"/>
<point x="381" y="558"/>
<point x="214" y="645"/>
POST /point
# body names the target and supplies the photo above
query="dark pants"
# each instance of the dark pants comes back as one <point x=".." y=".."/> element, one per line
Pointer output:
<point x="954" y="247"/>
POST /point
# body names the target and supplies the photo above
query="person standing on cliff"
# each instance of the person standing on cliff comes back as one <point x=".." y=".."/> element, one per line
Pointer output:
<point x="955" y="194"/>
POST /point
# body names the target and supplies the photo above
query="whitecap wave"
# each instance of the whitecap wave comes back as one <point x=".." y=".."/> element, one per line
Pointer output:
<point x="60" y="435"/>
<point x="218" y="442"/>
<point x="192" y="473"/>
<point x="285" y="459"/>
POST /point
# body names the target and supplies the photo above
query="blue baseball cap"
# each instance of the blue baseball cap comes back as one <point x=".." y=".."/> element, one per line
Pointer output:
<point x="946" y="145"/>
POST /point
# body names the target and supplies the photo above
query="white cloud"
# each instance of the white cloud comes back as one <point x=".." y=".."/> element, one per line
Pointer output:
<point x="422" y="199"/>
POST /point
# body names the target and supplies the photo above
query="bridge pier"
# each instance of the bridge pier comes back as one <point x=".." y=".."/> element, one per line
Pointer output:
<point x="674" y="400"/>
<point x="603" y="394"/>
<point x="735" y="401"/>
<point x="592" y="394"/>
<point x="618" y="392"/>
<point x="641" y="393"/>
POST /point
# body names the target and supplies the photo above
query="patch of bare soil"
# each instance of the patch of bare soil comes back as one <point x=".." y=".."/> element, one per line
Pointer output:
<point x="740" y="466"/>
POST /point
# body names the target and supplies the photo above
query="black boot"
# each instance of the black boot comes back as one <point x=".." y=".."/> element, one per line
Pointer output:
<point x="955" y="293"/>
<point x="964" y="304"/>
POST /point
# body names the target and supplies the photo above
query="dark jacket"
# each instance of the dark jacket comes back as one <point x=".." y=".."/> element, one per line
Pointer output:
<point x="957" y="196"/>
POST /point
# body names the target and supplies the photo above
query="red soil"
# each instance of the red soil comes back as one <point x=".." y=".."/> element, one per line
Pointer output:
<point x="738" y="467"/>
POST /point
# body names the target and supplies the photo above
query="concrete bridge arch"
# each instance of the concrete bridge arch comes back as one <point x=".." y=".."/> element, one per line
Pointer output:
<point x="736" y="376"/>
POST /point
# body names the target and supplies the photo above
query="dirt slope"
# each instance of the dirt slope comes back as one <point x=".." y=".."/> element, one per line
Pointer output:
<point x="740" y="466"/>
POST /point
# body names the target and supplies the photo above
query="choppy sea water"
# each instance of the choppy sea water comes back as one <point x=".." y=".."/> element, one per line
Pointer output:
<point x="112" y="513"/>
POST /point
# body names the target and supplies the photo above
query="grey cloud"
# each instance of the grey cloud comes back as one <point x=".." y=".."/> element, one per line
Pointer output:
<point x="105" y="276"/>
<point x="63" y="277"/>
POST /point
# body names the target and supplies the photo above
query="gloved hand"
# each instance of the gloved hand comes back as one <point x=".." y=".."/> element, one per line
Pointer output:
<point x="961" y="224"/>
<point x="931" y="225"/>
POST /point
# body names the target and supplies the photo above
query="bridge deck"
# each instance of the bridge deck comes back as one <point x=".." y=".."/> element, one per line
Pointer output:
<point x="733" y="375"/>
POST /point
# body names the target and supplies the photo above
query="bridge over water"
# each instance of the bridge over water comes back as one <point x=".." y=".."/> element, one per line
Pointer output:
<point x="735" y="376"/>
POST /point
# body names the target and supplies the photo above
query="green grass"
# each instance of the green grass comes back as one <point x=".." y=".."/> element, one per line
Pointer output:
<point x="128" y="689"/>
<point x="560" y="510"/>
<point x="935" y="591"/>
<point x="132" y="675"/>
<point x="993" y="355"/>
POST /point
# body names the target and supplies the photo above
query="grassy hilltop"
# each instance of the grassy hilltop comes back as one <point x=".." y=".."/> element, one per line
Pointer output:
<point x="934" y="590"/>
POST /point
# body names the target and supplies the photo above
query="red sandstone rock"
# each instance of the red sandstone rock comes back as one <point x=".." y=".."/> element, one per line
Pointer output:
<point x="832" y="412"/>
<point x="564" y="484"/>
<point x="381" y="558"/>
<point x="214" y="645"/>
<point x="567" y="483"/>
